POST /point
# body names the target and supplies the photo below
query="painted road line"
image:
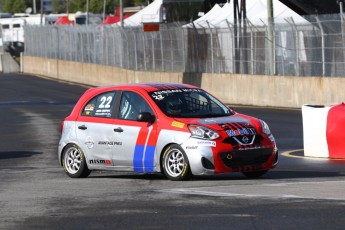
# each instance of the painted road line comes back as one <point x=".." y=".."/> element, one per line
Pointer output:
<point x="293" y="154"/>
<point x="322" y="190"/>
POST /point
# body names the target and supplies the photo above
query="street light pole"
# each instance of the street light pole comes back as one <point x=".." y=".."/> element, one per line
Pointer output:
<point x="41" y="12"/>
<point x="341" y="2"/>
<point x="34" y="6"/>
<point x="121" y="12"/>
<point x="104" y="9"/>
<point x="87" y="12"/>
<point x="270" y="17"/>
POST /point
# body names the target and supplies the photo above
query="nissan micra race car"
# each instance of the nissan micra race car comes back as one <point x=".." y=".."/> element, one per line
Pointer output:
<point x="176" y="129"/>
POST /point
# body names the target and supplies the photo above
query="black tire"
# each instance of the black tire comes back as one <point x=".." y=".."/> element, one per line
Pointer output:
<point x="73" y="162"/>
<point x="255" y="174"/>
<point x="175" y="164"/>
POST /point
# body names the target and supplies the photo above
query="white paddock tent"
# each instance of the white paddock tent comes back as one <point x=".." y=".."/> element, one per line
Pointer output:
<point x="169" y="11"/>
<point x="150" y="13"/>
<point x="220" y="17"/>
<point x="219" y="25"/>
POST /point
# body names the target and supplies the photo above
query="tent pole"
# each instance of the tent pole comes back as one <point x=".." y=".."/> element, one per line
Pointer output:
<point x="244" y="36"/>
<point x="121" y="12"/>
<point x="271" y="36"/>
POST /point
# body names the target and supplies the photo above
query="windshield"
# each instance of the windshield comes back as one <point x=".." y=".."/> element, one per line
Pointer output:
<point x="189" y="103"/>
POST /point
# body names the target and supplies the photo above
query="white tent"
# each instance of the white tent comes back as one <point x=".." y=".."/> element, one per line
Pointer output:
<point x="150" y="13"/>
<point x="209" y="16"/>
<point x="226" y="15"/>
<point x="256" y="14"/>
<point x="281" y="14"/>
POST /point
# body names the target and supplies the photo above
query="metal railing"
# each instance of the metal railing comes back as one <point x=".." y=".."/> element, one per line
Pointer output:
<point x="314" y="48"/>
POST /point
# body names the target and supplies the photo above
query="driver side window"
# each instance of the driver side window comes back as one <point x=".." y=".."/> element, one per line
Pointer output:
<point x="131" y="105"/>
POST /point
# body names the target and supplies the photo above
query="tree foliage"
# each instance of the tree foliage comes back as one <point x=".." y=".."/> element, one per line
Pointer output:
<point x="61" y="6"/>
<point x="16" y="6"/>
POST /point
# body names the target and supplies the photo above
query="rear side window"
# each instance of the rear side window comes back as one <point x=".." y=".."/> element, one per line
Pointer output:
<point x="131" y="105"/>
<point x="100" y="106"/>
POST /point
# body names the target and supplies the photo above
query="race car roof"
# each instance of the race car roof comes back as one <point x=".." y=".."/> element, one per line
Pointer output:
<point x="148" y="87"/>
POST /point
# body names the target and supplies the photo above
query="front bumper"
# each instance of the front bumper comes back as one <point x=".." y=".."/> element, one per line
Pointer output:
<point x="219" y="157"/>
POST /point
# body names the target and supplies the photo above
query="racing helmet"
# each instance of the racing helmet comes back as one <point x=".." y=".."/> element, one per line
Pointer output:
<point x="174" y="106"/>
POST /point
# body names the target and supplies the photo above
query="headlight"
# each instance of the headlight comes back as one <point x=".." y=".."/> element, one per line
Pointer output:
<point x="265" y="128"/>
<point x="202" y="132"/>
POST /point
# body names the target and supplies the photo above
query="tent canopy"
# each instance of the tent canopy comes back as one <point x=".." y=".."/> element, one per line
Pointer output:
<point x="220" y="17"/>
<point x="111" y="19"/>
<point x="63" y="20"/>
<point x="150" y="13"/>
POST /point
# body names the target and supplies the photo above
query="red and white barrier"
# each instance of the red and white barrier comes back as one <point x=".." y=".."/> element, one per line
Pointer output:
<point x="324" y="131"/>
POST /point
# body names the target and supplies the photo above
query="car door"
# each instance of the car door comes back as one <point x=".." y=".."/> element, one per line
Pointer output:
<point x="95" y="130"/>
<point x="136" y="138"/>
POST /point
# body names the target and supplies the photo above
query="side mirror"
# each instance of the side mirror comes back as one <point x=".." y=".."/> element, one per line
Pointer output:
<point x="146" y="117"/>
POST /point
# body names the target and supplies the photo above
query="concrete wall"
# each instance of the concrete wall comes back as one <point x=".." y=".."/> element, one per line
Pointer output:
<point x="8" y="64"/>
<point x="276" y="91"/>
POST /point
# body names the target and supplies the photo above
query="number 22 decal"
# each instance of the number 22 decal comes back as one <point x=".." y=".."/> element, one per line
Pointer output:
<point x="105" y="102"/>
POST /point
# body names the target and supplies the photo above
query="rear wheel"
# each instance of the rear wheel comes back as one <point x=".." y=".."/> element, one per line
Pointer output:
<point x="175" y="163"/>
<point x="73" y="162"/>
<point x="255" y="174"/>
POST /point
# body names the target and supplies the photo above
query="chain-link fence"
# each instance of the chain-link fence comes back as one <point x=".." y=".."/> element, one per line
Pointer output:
<point x="314" y="48"/>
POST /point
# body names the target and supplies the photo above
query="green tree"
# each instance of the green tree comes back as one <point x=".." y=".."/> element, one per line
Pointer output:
<point x="77" y="5"/>
<point x="96" y="6"/>
<point x="20" y="6"/>
<point x="58" y="6"/>
<point x="2" y="5"/>
<point x="16" y="6"/>
<point x="8" y="5"/>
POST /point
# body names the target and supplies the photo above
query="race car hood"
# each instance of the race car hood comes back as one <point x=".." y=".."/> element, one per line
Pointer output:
<point x="218" y="123"/>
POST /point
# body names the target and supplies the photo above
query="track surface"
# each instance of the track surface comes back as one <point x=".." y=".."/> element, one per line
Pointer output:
<point x="35" y="193"/>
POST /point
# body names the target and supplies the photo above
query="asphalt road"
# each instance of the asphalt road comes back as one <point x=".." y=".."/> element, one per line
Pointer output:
<point x="35" y="193"/>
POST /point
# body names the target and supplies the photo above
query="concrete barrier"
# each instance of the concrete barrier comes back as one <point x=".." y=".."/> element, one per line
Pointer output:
<point x="323" y="131"/>
<point x="258" y="90"/>
<point x="314" y="131"/>
<point x="8" y="64"/>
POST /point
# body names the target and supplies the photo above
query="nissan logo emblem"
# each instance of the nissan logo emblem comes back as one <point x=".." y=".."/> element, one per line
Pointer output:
<point x="245" y="139"/>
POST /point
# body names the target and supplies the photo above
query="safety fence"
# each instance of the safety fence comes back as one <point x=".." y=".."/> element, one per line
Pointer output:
<point x="313" y="48"/>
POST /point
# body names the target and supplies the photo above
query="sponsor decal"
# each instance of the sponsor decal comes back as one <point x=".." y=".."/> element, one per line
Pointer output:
<point x="177" y="124"/>
<point x="207" y="143"/>
<point x="192" y="147"/>
<point x="100" y="162"/>
<point x="241" y="132"/>
<point x="160" y="95"/>
<point x="109" y="143"/>
<point x="144" y="151"/>
<point x="224" y="120"/>
<point x="103" y="112"/>
<point x="89" y="142"/>
<point x="90" y="107"/>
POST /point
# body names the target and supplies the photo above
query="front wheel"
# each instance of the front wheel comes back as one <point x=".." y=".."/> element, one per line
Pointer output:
<point x="73" y="162"/>
<point x="175" y="163"/>
<point x="255" y="174"/>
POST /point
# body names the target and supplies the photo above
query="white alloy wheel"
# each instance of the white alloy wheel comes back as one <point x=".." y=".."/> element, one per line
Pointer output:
<point x="175" y="163"/>
<point x="73" y="162"/>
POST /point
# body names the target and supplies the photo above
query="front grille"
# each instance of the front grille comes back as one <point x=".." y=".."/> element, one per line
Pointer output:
<point x="237" y="140"/>
<point x="248" y="157"/>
